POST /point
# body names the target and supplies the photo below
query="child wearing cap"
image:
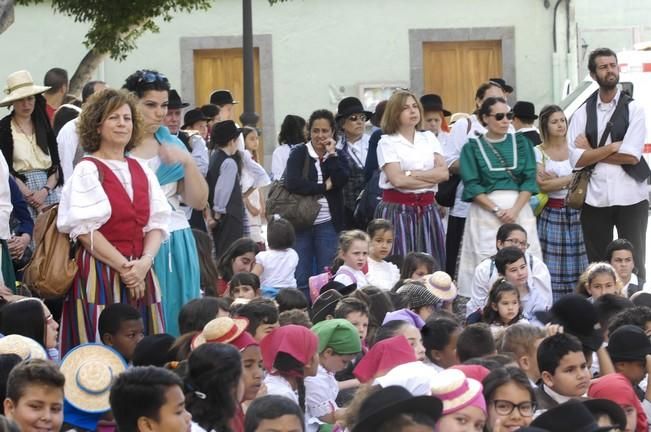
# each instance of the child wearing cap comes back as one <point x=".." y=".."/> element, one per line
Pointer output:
<point x="406" y="329"/>
<point x="35" y="387"/>
<point x="338" y="344"/>
<point x="463" y="401"/>
<point x="564" y="371"/>
<point x="384" y="356"/>
<point x="617" y="388"/>
<point x="630" y="350"/>
<point x="418" y="298"/>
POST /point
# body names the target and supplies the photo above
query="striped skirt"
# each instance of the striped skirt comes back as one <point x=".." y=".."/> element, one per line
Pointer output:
<point x="36" y="179"/>
<point x="415" y="229"/>
<point x="96" y="286"/>
<point x="561" y="240"/>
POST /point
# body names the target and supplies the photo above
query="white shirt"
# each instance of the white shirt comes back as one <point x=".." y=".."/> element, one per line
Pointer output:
<point x="84" y="206"/>
<point x="344" y="274"/>
<point x="324" y="209"/>
<point x="279" y="161"/>
<point x="609" y="184"/>
<point x="486" y="274"/>
<point x="5" y="200"/>
<point x="633" y="280"/>
<point x="278" y="268"/>
<point x="418" y="155"/>
<point x="382" y="274"/>
<point x="320" y="397"/>
<point x="67" y="143"/>
<point x="357" y="150"/>
<point x="278" y="385"/>
<point x="560" y="168"/>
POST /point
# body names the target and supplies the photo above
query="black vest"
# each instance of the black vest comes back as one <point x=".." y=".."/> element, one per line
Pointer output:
<point x="235" y="206"/>
<point x="620" y="124"/>
<point x="185" y="139"/>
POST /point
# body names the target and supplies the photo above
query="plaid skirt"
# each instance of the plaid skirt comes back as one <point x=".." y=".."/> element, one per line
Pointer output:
<point x="95" y="286"/>
<point x="561" y="240"/>
<point x="36" y="179"/>
<point x="415" y="229"/>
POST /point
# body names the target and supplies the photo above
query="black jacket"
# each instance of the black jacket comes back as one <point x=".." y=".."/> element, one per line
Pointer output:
<point x="334" y="168"/>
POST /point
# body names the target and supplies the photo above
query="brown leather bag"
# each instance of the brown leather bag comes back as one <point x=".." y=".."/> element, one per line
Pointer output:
<point x="577" y="189"/>
<point x="52" y="268"/>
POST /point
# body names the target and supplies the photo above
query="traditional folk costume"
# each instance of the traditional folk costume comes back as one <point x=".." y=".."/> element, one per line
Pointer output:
<point x="560" y="233"/>
<point x="123" y="201"/>
<point x="483" y="170"/>
<point x="412" y="212"/>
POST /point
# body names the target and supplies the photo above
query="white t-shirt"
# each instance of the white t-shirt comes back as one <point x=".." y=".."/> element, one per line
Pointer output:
<point x="279" y="267"/>
<point x="382" y="274"/>
<point x="347" y="275"/>
<point x="418" y="155"/>
<point x="277" y="385"/>
<point x="559" y="168"/>
<point x="320" y="397"/>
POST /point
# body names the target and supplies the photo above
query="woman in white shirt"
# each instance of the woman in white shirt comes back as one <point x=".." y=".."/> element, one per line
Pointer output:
<point x="412" y="166"/>
<point x="559" y="226"/>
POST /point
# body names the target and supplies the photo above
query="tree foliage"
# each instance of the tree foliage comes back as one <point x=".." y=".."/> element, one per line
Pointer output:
<point x="115" y="25"/>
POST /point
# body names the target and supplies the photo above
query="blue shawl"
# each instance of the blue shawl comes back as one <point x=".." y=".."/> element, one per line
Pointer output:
<point x="169" y="173"/>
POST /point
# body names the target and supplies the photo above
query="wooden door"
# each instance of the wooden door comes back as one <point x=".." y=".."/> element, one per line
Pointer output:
<point x="454" y="70"/>
<point x="222" y="69"/>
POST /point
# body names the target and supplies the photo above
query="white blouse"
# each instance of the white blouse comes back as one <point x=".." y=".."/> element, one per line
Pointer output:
<point x="84" y="206"/>
<point x="418" y="155"/>
<point x="559" y="168"/>
<point x="382" y="274"/>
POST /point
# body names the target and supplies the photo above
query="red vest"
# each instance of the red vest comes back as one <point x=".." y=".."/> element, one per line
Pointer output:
<point x="128" y="218"/>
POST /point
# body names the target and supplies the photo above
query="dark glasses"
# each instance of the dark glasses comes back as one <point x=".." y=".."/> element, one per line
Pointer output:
<point x="149" y="77"/>
<point x="500" y="116"/>
<point x="356" y="117"/>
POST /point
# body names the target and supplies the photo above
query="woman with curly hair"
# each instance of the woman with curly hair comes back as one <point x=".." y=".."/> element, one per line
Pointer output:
<point x="115" y="208"/>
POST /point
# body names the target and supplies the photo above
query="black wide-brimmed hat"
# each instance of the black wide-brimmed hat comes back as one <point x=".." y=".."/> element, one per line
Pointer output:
<point x="351" y="105"/>
<point x="324" y="305"/>
<point x="628" y="343"/>
<point x="174" y="100"/>
<point x="614" y="411"/>
<point x="222" y="97"/>
<point x="571" y="416"/>
<point x="392" y="401"/>
<point x="578" y="317"/>
<point x="500" y="82"/>
<point x="524" y="110"/>
<point x="223" y="132"/>
<point x="433" y="102"/>
<point x="192" y="116"/>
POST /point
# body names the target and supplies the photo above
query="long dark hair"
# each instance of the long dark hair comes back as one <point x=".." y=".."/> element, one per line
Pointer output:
<point x="501" y="376"/>
<point x="145" y="80"/>
<point x="214" y="371"/>
<point x="25" y="318"/>
<point x="238" y="248"/>
<point x="500" y="287"/>
<point x="207" y="267"/>
<point x="289" y="367"/>
<point x="545" y="115"/>
<point x="292" y="131"/>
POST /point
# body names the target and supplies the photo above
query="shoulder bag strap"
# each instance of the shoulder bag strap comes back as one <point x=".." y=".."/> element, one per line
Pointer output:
<point x="499" y="156"/>
<point x="306" y="163"/>
<point x="623" y="100"/>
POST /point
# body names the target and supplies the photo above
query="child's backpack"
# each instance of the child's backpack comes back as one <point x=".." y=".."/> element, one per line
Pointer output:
<point x="316" y="282"/>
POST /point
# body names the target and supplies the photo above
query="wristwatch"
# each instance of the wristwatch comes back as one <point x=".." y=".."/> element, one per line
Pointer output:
<point x="495" y="210"/>
<point x="408" y="173"/>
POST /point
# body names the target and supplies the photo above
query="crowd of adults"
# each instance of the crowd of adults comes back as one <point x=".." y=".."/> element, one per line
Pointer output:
<point x="438" y="277"/>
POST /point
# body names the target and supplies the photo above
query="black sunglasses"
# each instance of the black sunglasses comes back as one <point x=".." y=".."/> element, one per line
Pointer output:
<point x="356" y="117"/>
<point x="500" y="116"/>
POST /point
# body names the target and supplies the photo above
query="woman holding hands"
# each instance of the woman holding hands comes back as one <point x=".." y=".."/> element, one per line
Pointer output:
<point x="117" y="211"/>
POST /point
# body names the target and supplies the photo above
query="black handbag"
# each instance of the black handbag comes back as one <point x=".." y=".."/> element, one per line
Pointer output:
<point x="299" y="210"/>
<point x="447" y="191"/>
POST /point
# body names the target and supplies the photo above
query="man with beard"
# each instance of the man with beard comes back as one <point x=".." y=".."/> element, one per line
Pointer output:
<point x="607" y="135"/>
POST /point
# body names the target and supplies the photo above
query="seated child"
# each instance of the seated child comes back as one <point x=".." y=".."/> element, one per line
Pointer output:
<point x="262" y="315"/>
<point x="415" y="267"/>
<point x="598" y="279"/>
<point x="277" y="265"/>
<point x="274" y="413"/>
<point x="353" y="252"/>
<point x="563" y="369"/>
<point x="294" y="316"/>
<point x="419" y="299"/>
<point x="244" y="286"/>
<point x="356" y="312"/>
<point x="291" y="298"/>
<point x="35" y="387"/>
<point x="476" y="340"/>
<point x="120" y="327"/>
<point x="521" y="342"/>
<point x="619" y="254"/>
<point x="338" y="344"/>
<point x="503" y="308"/>
<point x="382" y="274"/>
<point x="629" y="349"/>
<point x="440" y="337"/>
<point x="147" y="398"/>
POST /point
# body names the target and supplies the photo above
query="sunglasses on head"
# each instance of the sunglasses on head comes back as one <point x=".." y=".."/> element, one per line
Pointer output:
<point x="149" y="77"/>
<point x="500" y="116"/>
<point x="356" y="117"/>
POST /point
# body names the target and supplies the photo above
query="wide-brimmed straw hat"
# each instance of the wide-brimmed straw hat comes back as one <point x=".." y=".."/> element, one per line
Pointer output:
<point x="220" y="330"/>
<point x="24" y="347"/>
<point x="20" y="85"/>
<point x="441" y="285"/>
<point x="90" y="370"/>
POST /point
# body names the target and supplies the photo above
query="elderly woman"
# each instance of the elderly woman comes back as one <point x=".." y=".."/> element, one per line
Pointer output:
<point x="114" y="207"/>
<point x="28" y="143"/>
<point x="353" y="141"/>
<point x="177" y="263"/>
<point x="499" y="175"/>
<point x="327" y="175"/>
<point x="412" y="167"/>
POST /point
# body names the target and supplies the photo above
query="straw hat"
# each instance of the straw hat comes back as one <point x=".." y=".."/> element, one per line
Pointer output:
<point x="90" y="370"/>
<point x="220" y="330"/>
<point x="455" y="390"/>
<point x="20" y="85"/>
<point x="26" y="348"/>
<point x="440" y="284"/>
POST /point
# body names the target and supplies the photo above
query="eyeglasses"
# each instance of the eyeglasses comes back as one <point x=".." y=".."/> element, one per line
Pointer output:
<point x="355" y="117"/>
<point x="149" y="77"/>
<point x="505" y="408"/>
<point x="500" y="116"/>
<point x="516" y="242"/>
